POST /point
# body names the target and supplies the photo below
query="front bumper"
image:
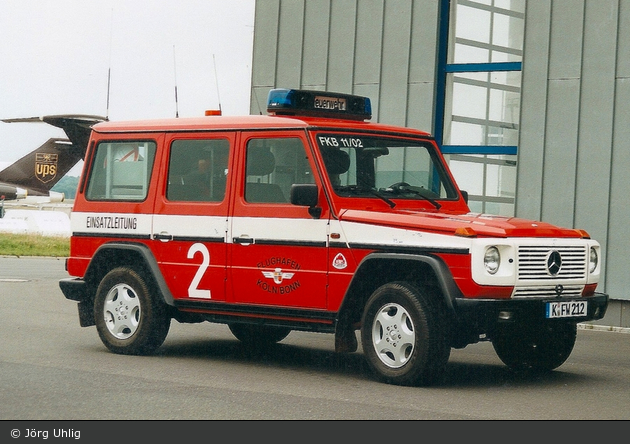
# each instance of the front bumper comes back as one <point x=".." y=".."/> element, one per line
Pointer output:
<point x="483" y="315"/>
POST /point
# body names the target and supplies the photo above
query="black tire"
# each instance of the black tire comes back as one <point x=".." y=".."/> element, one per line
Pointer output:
<point x="129" y="319"/>
<point x="404" y="335"/>
<point x="258" y="335"/>
<point x="536" y="348"/>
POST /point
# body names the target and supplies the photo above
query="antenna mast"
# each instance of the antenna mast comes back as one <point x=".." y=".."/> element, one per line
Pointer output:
<point x="109" y="77"/>
<point x="175" y="72"/>
<point x="216" y="80"/>
<point x="109" y="69"/>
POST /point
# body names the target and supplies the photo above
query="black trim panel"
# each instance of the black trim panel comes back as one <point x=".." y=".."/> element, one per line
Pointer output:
<point x="409" y="249"/>
<point x="278" y="242"/>
<point x="286" y="242"/>
<point x="258" y="311"/>
<point x="338" y="245"/>
<point x="111" y="235"/>
<point x="218" y="240"/>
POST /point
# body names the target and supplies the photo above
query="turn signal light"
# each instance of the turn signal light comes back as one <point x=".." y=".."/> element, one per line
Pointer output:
<point x="584" y="234"/>
<point x="465" y="232"/>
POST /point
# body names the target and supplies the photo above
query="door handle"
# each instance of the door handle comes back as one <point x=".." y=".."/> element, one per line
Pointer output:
<point x="243" y="240"/>
<point x="163" y="236"/>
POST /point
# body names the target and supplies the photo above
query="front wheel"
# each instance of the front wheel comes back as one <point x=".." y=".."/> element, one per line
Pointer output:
<point x="404" y="335"/>
<point x="536" y="348"/>
<point x="129" y="320"/>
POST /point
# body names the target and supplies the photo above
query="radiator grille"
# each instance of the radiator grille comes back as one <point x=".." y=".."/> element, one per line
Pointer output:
<point x="542" y="291"/>
<point x="532" y="262"/>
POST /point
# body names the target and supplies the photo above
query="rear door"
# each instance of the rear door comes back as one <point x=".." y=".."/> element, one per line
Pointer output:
<point x="190" y="221"/>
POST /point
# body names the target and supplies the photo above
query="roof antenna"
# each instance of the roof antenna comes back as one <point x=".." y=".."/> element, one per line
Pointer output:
<point x="109" y="77"/>
<point x="175" y="72"/>
<point x="109" y="69"/>
<point x="257" y="102"/>
<point x="216" y="80"/>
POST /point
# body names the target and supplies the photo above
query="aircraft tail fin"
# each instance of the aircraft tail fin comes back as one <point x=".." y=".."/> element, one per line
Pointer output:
<point x="42" y="168"/>
<point x="76" y="126"/>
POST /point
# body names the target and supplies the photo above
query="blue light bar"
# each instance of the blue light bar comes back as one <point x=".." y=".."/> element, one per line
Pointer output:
<point x="299" y="102"/>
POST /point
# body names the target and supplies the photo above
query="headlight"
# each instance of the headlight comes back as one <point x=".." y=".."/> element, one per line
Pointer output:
<point x="592" y="260"/>
<point x="492" y="260"/>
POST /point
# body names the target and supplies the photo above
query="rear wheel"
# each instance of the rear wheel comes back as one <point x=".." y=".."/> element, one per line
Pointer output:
<point x="404" y="335"/>
<point x="536" y="348"/>
<point x="258" y="335"/>
<point x="129" y="319"/>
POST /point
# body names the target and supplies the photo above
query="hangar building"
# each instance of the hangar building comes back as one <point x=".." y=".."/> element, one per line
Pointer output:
<point x="528" y="100"/>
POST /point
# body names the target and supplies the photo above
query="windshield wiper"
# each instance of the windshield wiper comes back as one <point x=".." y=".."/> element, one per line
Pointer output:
<point x="351" y="189"/>
<point x="404" y="187"/>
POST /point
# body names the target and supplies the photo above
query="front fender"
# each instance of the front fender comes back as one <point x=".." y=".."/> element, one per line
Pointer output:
<point x="379" y="268"/>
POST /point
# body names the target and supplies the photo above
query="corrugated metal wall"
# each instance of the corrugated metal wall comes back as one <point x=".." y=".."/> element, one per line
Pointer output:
<point x="574" y="148"/>
<point x="383" y="49"/>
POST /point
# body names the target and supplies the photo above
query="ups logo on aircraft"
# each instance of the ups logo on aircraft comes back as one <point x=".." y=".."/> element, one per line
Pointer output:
<point x="45" y="166"/>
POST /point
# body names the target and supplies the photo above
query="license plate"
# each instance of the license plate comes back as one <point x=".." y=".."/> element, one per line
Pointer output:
<point x="568" y="309"/>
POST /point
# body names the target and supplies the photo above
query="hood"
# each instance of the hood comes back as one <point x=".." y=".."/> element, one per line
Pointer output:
<point x="470" y="224"/>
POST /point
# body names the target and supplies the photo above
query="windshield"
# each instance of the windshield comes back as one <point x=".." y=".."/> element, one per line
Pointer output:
<point x="366" y="165"/>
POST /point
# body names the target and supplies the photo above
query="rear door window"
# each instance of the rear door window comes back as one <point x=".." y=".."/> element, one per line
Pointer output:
<point x="198" y="170"/>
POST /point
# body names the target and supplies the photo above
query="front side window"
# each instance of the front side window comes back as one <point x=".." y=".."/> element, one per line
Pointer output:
<point x="365" y="166"/>
<point x="121" y="171"/>
<point x="273" y="166"/>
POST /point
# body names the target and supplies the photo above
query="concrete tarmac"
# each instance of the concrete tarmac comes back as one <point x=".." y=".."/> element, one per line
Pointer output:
<point x="53" y="369"/>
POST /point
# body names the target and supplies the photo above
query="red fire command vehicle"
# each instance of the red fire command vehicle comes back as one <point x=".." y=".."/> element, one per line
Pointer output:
<point x="313" y="218"/>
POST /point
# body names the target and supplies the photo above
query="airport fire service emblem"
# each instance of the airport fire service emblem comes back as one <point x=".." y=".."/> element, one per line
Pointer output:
<point x="277" y="275"/>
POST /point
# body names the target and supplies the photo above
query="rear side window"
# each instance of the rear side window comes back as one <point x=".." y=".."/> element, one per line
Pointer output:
<point x="121" y="171"/>
<point x="198" y="170"/>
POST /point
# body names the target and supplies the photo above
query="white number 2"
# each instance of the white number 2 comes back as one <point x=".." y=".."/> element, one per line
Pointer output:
<point x="193" y="291"/>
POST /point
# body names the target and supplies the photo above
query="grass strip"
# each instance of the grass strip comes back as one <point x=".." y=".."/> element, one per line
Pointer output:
<point x="34" y="245"/>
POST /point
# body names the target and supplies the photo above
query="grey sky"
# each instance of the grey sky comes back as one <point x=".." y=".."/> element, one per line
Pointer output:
<point x="55" y="56"/>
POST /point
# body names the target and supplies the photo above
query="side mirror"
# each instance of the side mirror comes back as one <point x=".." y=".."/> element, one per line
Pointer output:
<point x="464" y="195"/>
<point x="306" y="195"/>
